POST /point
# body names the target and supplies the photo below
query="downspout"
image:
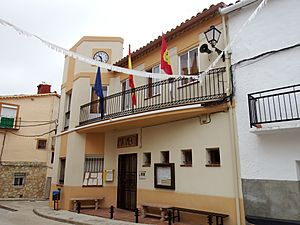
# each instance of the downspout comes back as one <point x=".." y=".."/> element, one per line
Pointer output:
<point x="229" y="92"/>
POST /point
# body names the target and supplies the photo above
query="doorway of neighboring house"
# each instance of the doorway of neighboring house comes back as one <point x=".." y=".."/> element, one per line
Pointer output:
<point x="48" y="187"/>
<point x="127" y="181"/>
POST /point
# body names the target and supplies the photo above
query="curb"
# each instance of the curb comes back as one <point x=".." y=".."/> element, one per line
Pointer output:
<point x="58" y="219"/>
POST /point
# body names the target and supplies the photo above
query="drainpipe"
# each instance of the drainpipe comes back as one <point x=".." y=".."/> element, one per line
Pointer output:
<point x="235" y="158"/>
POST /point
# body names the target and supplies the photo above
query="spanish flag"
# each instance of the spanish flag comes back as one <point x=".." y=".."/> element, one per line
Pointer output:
<point x="164" y="57"/>
<point x="131" y="83"/>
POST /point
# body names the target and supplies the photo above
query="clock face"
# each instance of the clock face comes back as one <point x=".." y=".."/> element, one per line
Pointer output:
<point x="101" y="56"/>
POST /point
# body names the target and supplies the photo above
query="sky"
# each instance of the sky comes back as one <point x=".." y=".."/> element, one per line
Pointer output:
<point x="26" y="62"/>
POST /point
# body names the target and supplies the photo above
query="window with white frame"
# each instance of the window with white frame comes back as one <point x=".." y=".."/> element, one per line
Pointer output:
<point x="153" y="88"/>
<point x="8" y="115"/>
<point x="19" y="179"/>
<point x="189" y="64"/>
<point x="93" y="171"/>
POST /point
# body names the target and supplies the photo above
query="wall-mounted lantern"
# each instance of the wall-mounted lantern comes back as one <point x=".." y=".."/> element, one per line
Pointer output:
<point x="212" y="36"/>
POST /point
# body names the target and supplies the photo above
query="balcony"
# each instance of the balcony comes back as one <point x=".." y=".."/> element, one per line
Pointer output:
<point x="275" y="105"/>
<point x="9" y="123"/>
<point x="160" y="95"/>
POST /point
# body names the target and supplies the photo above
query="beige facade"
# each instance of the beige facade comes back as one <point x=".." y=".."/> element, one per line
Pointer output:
<point x="27" y="144"/>
<point x="194" y="136"/>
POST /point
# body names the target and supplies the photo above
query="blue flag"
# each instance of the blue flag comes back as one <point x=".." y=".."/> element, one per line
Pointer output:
<point x="99" y="92"/>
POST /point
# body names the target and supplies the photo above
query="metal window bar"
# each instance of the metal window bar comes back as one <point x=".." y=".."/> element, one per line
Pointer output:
<point x="93" y="164"/>
<point x="274" y="105"/>
<point x="173" y="93"/>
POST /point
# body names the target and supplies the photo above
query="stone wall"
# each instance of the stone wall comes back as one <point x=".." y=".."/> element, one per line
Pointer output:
<point x="277" y="199"/>
<point x="35" y="180"/>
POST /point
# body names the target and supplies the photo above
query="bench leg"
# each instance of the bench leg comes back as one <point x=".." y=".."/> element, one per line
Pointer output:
<point x="74" y="205"/>
<point x="144" y="210"/>
<point x="96" y="204"/>
<point x="209" y="220"/>
<point x="163" y="214"/>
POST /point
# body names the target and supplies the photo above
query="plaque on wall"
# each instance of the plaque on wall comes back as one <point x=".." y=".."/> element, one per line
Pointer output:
<point x="127" y="141"/>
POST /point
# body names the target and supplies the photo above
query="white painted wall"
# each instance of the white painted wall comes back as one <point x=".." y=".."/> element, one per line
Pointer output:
<point x="174" y="137"/>
<point x="266" y="155"/>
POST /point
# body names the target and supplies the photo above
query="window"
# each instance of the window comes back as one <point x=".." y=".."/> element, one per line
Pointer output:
<point x="146" y="159"/>
<point x="41" y="144"/>
<point x="95" y="105"/>
<point x="8" y="115"/>
<point x="52" y="157"/>
<point x="186" y="157"/>
<point x="213" y="157"/>
<point x="67" y="110"/>
<point x="93" y="170"/>
<point x="126" y="97"/>
<point x="164" y="156"/>
<point x="62" y="171"/>
<point x="19" y="179"/>
<point x="153" y="89"/>
<point x="189" y="64"/>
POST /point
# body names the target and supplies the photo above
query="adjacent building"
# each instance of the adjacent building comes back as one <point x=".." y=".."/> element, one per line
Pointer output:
<point x="265" y="69"/>
<point x="174" y="146"/>
<point x="27" y="129"/>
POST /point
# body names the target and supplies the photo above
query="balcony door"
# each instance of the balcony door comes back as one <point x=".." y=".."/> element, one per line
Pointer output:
<point x="127" y="181"/>
<point x="126" y="97"/>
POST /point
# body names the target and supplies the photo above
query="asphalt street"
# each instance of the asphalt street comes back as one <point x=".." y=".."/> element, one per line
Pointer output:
<point x="24" y="214"/>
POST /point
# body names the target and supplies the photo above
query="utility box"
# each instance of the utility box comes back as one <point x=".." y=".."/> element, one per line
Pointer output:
<point x="55" y="195"/>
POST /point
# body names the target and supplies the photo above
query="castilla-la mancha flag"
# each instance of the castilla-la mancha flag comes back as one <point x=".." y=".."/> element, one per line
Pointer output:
<point x="131" y="83"/>
<point x="165" y="64"/>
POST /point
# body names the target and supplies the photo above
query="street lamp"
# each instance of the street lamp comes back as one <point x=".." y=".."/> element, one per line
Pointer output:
<point x="212" y="36"/>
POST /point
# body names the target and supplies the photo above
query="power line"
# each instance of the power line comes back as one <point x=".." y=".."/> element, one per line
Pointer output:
<point x="36" y="125"/>
<point x="32" y="135"/>
<point x="264" y="54"/>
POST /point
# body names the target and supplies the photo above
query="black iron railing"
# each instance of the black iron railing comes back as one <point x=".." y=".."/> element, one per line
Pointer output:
<point x="275" y="105"/>
<point x="9" y="122"/>
<point x="159" y="95"/>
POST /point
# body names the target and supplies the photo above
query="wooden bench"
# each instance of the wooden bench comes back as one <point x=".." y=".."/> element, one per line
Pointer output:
<point x="156" y="210"/>
<point x="219" y="217"/>
<point x="96" y="202"/>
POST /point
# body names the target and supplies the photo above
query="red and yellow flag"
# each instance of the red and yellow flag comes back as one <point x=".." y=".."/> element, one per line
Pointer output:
<point x="164" y="57"/>
<point x="131" y="83"/>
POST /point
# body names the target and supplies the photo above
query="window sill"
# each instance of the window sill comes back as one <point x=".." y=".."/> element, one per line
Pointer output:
<point x="188" y="84"/>
<point x="153" y="96"/>
<point x="146" y="165"/>
<point x="213" y="165"/>
<point x="186" y="165"/>
<point x="87" y="186"/>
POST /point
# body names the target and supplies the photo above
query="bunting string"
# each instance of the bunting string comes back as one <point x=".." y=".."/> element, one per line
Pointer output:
<point x="111" y="67"/>
<point x="251" y="17"/>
